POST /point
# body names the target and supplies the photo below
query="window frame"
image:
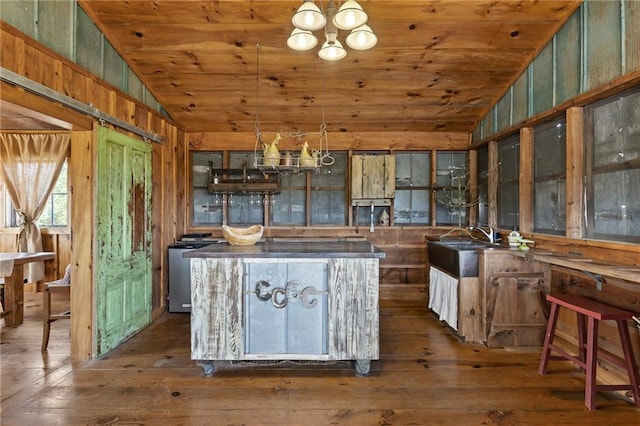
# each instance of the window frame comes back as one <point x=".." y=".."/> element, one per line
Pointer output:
<point x="591" y="171"/>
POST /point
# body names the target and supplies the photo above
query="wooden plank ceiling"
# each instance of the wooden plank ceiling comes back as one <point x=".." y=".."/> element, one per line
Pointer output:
<point x="438" y="65"/>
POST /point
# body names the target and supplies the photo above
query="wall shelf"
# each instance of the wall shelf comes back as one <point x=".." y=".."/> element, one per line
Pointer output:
<point x="242" y="181"/>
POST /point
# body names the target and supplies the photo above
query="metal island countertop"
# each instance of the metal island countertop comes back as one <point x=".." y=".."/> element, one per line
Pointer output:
<point x="289" y="249"/>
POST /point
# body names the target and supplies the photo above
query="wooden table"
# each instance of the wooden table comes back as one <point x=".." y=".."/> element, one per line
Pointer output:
<point x="14" y="282"/>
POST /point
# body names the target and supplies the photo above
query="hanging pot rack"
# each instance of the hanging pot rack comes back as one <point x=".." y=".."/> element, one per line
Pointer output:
<point x="322" y="156"/>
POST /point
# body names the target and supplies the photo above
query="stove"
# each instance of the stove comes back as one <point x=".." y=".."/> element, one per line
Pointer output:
<point x="180" y="270"/>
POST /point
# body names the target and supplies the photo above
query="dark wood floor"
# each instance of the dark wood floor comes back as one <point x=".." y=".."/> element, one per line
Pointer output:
<point x="425" y="376"/>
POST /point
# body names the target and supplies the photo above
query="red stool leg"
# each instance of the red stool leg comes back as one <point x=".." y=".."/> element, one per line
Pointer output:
<point x="630" y="361"/>
<point x="592" y="348"/>
<point x="548" y="338"/>
<point x="582" y="339"/>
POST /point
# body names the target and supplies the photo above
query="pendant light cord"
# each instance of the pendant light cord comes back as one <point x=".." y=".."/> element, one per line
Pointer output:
<point x="257" y="123"/>
<point x="325" y="158"/>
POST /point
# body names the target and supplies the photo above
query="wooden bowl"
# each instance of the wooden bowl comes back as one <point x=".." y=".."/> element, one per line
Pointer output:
<point x="242" y="236"/>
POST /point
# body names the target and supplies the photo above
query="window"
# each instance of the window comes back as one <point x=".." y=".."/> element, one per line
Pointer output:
<point x="206" y="207"/>
<point x="413" y="188"/>
<point x="328" y="193"/>
<point x="612" y="168"/>
<point x="56" y="211"/>
<point x="452" y="190"/>
<point x="549" y="177"/>
<point x="508" y="170"/>
<point x="483" y="184"/>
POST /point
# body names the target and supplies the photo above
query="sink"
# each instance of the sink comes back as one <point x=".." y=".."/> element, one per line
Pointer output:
<point x="457" y="257"/>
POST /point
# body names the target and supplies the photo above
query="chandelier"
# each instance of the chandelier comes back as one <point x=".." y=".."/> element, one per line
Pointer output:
<point x="350" y="17"/>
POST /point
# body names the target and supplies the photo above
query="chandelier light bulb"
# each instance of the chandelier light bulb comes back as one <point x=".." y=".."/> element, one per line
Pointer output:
<point x="362" y="38"/>
<point x="350" y="16"/>
<point x="309" y="17"/>
<point x="332" y="51"/>
<point x="301" y="40"/>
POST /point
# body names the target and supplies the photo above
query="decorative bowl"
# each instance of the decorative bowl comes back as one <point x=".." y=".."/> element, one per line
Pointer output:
<point x="242" y="236"/>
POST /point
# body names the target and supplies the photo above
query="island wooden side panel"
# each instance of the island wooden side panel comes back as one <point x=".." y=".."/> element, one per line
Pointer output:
<point x="353" y="309"/>
<point x="216" y="314"/>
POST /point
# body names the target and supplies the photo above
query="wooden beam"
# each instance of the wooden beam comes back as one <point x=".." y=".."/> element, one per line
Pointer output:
<point x="575" y="172"/>
<point x="492" y="191"/>
<point x="525" y="190"/>
<point x="338" y="141"/>
<point x="82" y="190"/>
<point x="472" y="214"/>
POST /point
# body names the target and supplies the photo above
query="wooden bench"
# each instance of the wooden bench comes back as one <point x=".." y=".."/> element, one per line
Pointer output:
<point x="590" y="312"/>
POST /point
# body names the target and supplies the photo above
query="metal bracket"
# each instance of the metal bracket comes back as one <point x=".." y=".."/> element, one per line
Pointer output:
<point x="599" y="279"/>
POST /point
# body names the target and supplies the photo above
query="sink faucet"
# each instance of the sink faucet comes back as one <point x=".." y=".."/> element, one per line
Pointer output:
<point x="489" y="234"/>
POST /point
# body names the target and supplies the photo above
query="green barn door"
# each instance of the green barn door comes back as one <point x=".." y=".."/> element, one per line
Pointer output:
<point x="123" y="266"/>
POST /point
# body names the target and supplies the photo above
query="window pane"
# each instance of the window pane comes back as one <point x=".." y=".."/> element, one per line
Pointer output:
<point x="616" y="130"/>
<point x="288" y="207"/>
<point x="508" y="169"/>
<point x="550" y="149"/>
<point x="245" y="209"/>
<point x="549" y="201"/>
<point x="413" y="169"/>
<point x="328" y="193"/>
<point x="411" y="207"/>
<point x="549" y="210"/>
<point x="328" y="208"/>
<point x="617" y="203"/>
<point x="55" y="212"/>
<point x="483" y="185"/>
<point x="508" y="206"/>
<point x="333" y="175"/>
<point x="206" y="208"/>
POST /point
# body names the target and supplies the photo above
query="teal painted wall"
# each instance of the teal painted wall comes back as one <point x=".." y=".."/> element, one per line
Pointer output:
<point x="598" y="44"/>
<point x="64" y="27"/>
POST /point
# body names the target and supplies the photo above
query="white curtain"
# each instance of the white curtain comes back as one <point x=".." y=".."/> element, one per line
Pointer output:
<point x="29" y="165"/>
<point x="443" y="296"/>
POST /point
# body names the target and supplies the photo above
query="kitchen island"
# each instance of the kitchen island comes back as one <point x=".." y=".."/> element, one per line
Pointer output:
<point x="281" y="300"/>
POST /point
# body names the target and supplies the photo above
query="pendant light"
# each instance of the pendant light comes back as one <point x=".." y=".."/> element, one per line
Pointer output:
<point x="350" y="16"/>
<point x="332" y="49"/>
<point x="302" y="40"/>
<point x="362" y="38"/>
<point x="309" y="17"/>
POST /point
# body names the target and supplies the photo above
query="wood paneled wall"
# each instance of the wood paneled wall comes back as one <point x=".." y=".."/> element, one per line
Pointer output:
<point x="28" y="58"/>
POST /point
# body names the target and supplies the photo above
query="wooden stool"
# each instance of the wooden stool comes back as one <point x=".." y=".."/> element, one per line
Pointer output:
<point x="591" y="311"/>
<point x="63" y="285"/>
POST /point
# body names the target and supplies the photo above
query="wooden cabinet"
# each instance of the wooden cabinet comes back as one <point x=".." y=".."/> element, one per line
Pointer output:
<point x="515" y="313"/>
<point x="373" y="177"/>
<point x="514" y="305"/>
